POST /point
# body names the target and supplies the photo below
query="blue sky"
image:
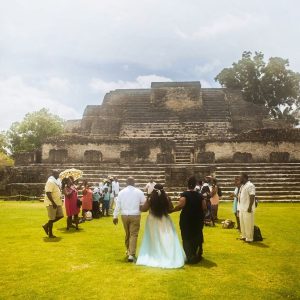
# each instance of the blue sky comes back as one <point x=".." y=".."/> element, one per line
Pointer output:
<point x="66" y="54"/>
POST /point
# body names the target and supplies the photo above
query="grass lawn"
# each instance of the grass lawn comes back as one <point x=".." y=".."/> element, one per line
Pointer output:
<point x="90" y="264"/>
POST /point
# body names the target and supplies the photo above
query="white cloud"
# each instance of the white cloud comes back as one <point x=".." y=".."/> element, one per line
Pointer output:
<point x="207" y="68"/>
<point x="102" y="86"/>
<point x="226" y="24"/>
<point x="18" y="98"/>
<point x="58" y="84"/>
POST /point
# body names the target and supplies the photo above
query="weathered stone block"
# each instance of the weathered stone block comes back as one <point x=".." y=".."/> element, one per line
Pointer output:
<point x="165" y="158"/>
<point x="206" y="157"/>
<point x="279" y="157"/>
<point x="25" y="158"/>
<point x="58" y="155"/>
<point x="242" y="157"/>
<point x="127" y="157"/>
<point x="141" y="151"/>
<point x="92" y="156"/>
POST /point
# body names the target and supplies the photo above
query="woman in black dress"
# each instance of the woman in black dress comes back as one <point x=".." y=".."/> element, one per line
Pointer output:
<point x="192" y="206"/>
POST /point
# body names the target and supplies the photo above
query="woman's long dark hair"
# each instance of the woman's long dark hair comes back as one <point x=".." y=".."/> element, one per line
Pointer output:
<point x="159" y="203"/>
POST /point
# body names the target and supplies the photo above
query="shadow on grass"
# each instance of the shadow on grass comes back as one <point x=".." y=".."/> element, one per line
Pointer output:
<point x="205" y="263"/>
<point x="70" y="231"/>
<point x="259" y="245"/>
<point x="123" y="260"/>
<point x="52" y="240"/>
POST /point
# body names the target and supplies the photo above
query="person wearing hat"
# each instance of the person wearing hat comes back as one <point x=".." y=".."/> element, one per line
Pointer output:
<point x="128" y="203"/>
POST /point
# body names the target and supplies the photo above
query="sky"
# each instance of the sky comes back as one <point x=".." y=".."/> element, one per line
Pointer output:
<point x="66" y="54"/>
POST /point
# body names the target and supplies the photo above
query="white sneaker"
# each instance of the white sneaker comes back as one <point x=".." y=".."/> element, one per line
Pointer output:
<point x="131" y="258"/>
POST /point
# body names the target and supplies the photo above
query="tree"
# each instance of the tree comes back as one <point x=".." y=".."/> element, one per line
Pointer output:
<point x="270" y="84"/>
<point x="5" y="160"/>
<point x="33" y="130"/>
<point x="3" y="143"/>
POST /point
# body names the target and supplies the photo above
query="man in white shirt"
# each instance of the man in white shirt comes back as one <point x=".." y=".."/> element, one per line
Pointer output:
<point x="246" y="207"/>
<point x="150" y="186"/>
<point x="115" y="187"/>
<point x="128" y="203"/>
<point x="53" y="202"/>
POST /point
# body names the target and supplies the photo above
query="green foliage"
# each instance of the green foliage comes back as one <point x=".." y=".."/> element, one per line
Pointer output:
<point x="271" y="84"/>
<point x="31" y="133"/>
<point x="5" y="160"/>
<point x="3" y="143"/>
<point x="90" y="263"/>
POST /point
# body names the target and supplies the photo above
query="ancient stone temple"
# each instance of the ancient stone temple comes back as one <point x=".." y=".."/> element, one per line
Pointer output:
<point x="171" y="131"/>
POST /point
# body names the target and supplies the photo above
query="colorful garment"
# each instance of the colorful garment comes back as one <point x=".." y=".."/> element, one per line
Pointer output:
<point x="71" y="201"/>
<point x="87" y="199"/>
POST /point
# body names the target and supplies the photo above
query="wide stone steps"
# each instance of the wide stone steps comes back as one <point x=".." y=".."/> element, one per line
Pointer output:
<point x="177" y="130"/>
<point x="274" y="182"/>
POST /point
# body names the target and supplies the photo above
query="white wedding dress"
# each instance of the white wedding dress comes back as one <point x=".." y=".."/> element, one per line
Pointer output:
<point x="160" y="245"/>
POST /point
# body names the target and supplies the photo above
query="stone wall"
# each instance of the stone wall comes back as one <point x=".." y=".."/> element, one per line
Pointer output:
<point x="84" y="149"/>
<point x="177" y="176"/>
<point x="176" y="96"/>
<point x="251" y="151"/>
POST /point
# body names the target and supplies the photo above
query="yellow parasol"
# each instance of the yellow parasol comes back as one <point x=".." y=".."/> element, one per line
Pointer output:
<point x="75" y="173"/>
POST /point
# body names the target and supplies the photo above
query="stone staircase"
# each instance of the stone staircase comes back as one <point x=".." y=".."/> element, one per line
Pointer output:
<point x="274" y="182"/>
<point x="215" y="106"/>
<point x="185" y="134"/>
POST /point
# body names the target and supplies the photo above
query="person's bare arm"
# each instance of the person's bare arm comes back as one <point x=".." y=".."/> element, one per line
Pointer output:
<point x="204" y="207"/>
<point x="180" y="205"/>
<point x="145" y="207"/>
<point x="252" y="199"/>
<point x="49" y="195"/>
<point x="213" y="191"/>
<point x="171" y="206"/>
<point x="67" y="191"/>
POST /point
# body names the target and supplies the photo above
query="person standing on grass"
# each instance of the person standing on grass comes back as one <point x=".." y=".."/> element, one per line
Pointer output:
<point x="246" y="207"/>
<point x="71" y="196"/>
<point x="160" y="246"/>
<point x="53" y="202"/>
<point x="193" y="207"/>
<point x="87" y="199"/>
<point x="106" y="201"/>
<point x="150" y="187"/>
<point x="215" y="199"/>
<point x="115" y="187"/>
<point x="129" y="201"/>
<point x="235" y="194"/>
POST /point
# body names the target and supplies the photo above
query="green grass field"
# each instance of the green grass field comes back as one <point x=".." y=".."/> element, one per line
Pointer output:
<point x="90" y="264"/>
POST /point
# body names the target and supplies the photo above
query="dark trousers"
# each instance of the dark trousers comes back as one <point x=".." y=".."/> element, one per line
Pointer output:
<point x="105" y="206"/>
<point x="193" y="249"/>
<point x="96" y="209"/>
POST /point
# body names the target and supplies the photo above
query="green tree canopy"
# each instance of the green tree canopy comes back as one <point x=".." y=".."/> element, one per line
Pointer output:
<point x="271" y="84"/>
<point x="3" y="143"/>
<point x="33" y="130"/>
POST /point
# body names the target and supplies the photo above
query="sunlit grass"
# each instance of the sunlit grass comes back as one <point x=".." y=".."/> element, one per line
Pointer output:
<point x="90" y="263"/>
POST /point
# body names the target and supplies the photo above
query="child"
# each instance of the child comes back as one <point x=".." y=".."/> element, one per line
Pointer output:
<point x="106" y="200"/>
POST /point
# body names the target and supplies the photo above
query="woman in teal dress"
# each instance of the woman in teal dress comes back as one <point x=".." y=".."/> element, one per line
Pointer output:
<point x="160" y="246"/>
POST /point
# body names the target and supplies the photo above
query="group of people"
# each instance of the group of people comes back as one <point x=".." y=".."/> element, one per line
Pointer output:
<point x="93" y="202"/>
<point x="160" y="244"/>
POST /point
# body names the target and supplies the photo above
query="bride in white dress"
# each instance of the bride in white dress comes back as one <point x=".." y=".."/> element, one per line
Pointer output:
<point x="160" y="246"/>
